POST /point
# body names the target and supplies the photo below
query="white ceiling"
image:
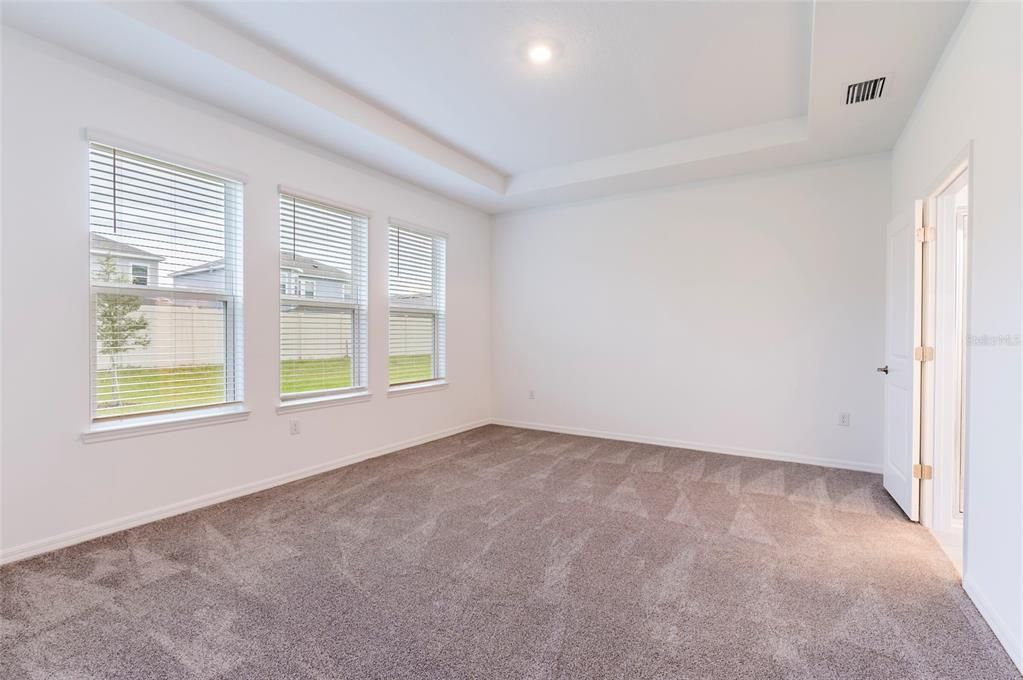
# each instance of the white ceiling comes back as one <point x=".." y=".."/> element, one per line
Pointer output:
<point x="642" y="95"/>
<point x="627" y="77"/>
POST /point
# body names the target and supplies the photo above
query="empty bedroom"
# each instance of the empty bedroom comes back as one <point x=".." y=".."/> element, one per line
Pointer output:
<point x="347" y="340"/>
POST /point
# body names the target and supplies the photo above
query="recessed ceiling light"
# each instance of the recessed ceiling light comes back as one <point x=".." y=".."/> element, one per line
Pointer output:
<point x="540" y="52"/>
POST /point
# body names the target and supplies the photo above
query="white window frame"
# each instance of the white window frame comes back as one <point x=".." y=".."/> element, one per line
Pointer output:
<point x="438" y="311"/>
<point x="359" y="307"/>
<point x="105" y="428"/>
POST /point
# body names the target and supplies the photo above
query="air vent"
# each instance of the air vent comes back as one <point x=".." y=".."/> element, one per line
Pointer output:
<point x="865" y="91"/>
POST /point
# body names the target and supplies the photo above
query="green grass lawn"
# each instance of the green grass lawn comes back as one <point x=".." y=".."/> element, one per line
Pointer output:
<point x="313" y="375"/>
<point x="407" y="368"/>
<point x="149" y="389"/>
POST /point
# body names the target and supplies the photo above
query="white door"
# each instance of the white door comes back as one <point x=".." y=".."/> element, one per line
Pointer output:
<point x="902" y="380"/>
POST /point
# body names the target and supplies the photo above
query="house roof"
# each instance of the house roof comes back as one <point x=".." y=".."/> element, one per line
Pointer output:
<point x="109" y="245"/>
<point x="310" y="267"/>
<point x="305" y="266"/>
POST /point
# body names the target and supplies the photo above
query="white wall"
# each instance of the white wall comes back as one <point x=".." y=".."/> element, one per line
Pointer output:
<point x="56" y="488"/>
<point x="740" y="316"/>
<point x="974" y="95"/>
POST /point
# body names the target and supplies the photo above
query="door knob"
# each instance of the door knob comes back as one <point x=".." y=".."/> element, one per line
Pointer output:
<point x="883" y="369"/>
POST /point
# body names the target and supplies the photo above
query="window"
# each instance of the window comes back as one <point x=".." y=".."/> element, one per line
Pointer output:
<point x="139" y="275"/>
<point x="287" y="282"/>
<point x="177" y="344"/>
<point x="416" y="272"/>
<point x="323" y="298"/>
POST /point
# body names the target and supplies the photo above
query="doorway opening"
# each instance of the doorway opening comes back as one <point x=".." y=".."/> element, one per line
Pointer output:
<point x="926" y="456"/>
<point x="947" y="297"/>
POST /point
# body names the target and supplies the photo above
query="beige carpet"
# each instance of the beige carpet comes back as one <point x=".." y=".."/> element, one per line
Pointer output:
<point x="504" y="553"/>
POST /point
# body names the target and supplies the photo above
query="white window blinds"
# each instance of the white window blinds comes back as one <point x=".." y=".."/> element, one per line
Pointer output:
<point x="166" y="283"/>
<point x="323" y="298"/>
<point x="416" y="324"/>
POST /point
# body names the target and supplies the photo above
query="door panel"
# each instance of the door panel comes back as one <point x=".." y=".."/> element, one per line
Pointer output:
<point x="902" y="327"/>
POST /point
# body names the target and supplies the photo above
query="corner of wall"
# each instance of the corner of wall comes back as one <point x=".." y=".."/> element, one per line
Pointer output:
<point x="1001" y="629"/>
<point x="492" y="377"/>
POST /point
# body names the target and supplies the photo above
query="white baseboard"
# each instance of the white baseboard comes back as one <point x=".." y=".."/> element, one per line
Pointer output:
<point x="26" y="550"/>
<point x="696" y="446"/>
<point x="1011" y="644"/>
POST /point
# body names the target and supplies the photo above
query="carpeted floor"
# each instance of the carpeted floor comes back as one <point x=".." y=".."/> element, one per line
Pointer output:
<point x="504" y="553"/>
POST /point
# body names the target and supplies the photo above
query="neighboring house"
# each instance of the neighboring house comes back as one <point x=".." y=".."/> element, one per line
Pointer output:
<point x="189" y="333"/>
<point x="300" y="277"/>
<point x="133" y="265"/>
<point x="307" y="331"/>
<point x="172" y="329"/>
<point x="307" y="277"/>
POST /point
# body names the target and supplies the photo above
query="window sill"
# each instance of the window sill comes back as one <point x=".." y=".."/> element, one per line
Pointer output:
<point x="163" y="422"/>
<point x="293" y="405"/>
<point x="416" y="388"/>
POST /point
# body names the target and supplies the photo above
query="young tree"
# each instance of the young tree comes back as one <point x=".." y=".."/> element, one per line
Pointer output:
<point x="119" y="326"/>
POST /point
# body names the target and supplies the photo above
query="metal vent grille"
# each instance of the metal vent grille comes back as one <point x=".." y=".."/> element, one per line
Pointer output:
<point x="865" y="91"/>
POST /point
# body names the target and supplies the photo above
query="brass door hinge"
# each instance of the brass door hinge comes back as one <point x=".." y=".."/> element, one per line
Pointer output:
<point x="926" y="234"/>
<point x="922" y="471"/>
<point x="923" y="353"/>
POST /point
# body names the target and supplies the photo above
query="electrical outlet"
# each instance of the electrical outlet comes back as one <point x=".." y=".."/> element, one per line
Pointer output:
<point x="843" y="419"/>
<point x="532" y="395"/>
<point x="293" y="427"/>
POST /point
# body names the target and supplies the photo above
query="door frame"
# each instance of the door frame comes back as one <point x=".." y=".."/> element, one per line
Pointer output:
<point x="938" y="408"/>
